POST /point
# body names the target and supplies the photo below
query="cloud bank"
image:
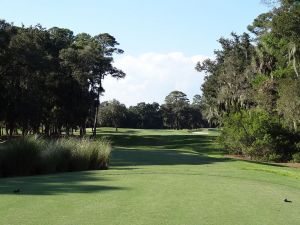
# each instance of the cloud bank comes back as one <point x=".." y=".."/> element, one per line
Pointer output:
<point x="152" y="76"/>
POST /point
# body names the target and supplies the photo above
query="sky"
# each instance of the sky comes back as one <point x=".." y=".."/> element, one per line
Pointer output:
<point x="162" y="39"/>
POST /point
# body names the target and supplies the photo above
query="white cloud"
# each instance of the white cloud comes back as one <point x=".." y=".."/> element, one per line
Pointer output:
<point x="152" y="76"/>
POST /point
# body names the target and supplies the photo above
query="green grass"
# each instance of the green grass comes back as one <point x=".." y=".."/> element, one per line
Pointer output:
<point x="158" y="177"/>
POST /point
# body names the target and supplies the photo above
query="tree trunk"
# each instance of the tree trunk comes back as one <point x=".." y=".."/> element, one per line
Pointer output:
<point x="81" y="131"/>
<point x="11" y="130"/>
<point x="24" y="131"/>
<point x="67" y="130"/>
<point x="59" y="132"/>
<point x="96" y="111"/>
<point x="95" y="118"/>
<point x="47" y="129"/>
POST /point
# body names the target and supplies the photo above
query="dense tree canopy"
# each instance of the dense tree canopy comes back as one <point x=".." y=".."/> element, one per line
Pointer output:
<point x="112" y="114"/>
<point x="175" y="113"/>
<point x="252" y="86"/>
<point x="51" y="80"/>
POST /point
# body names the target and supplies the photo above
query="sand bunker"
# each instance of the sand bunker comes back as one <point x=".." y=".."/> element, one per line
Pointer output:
<point x="201" y="132"/>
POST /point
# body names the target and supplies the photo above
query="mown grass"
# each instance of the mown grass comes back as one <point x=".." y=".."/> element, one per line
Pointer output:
<point x="158" y="177"/>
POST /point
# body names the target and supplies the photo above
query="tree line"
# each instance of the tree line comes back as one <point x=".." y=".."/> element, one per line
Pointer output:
<point x="51" y="79"/>
<point x="176" y="113"/>
<point x="252" y="86"/>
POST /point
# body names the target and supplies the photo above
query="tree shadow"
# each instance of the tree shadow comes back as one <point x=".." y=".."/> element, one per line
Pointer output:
<point x="73" y="182"/>
<point x="261" y="163"/>
<point x="134" y="150"/>
<point x="114" y="132"/>
<point x="198" y="143"/>
<point x="137" y="157"/>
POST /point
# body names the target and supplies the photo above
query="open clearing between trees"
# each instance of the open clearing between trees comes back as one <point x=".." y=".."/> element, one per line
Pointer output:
<point x="157" y="177"/>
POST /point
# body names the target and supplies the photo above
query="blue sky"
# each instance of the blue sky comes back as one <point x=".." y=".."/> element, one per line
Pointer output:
<point x="175" y="32"/>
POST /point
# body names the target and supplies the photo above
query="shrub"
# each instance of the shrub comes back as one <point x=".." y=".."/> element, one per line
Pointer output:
<point x="296" y="157"/>
<point x="274" y="157"/>
<point x="257" y="134"/>
<point x="30" y="156"/>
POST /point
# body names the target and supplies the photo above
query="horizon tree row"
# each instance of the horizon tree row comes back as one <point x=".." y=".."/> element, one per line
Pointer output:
<point x="175" y="113"/>
<point x="51" y="79"/>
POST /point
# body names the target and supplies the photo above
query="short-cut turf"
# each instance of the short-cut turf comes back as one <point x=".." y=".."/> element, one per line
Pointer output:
<point x="157" y="177"/>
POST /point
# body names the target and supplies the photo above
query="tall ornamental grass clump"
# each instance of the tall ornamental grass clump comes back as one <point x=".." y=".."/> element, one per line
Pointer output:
<point x="30" y="156"/>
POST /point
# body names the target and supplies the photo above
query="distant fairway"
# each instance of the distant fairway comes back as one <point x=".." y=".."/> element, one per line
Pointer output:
<point x="157" y="177"/>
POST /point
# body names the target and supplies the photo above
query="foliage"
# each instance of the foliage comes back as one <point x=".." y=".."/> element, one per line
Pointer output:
<point x="175" y="113"/>
<point x="252" y="87"/>
<point x="146" y="115"/>
<point x="178" y="113"/>
<point x="227" y="88"/>
<point x="30" y="156"/>
<point x="257" y="134"/>
<point x="112" y="113"/>
<point x="289" y="102"/>
<point x="51" y="80"/>
<point x="296" y="157"/>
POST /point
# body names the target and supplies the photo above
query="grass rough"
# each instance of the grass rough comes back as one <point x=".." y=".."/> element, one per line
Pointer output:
<point x="31" y="156"/>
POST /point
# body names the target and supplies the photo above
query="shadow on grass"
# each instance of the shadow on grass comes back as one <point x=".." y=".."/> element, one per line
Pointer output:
<point x="114" y="132"/>
<point x="274" y="164"/>
<point x="159" y="139"/>
<point x="197" y="143"/>
<point x="135" y="150"/>
<point x="136" y="157"/>
<point x="75" y="182"/>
